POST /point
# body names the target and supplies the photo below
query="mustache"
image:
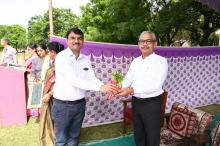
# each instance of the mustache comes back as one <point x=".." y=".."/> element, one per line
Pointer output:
<point x="146" y="47"/>
<point x="76" y="44"/>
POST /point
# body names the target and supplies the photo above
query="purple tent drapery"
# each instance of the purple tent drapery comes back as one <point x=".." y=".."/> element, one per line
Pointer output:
<point x="119" y="50"/>
<point x="193" y="76"/>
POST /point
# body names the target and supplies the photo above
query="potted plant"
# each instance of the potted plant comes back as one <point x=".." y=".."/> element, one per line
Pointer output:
<point x="117" y="78"/>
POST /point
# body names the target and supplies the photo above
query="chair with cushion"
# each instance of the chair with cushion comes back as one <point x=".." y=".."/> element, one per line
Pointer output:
<point x="215" y="134"/>
<point x="185" y="123"/>
<point x="128" y="118"/>
<point x="214" y="129"/>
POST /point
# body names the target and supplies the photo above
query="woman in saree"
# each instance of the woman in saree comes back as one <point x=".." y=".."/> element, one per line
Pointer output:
<point x="32" y="50"/>
<point x="46" y="123"/>
<point x="37" y="63"/>
<point x="39" y="67"/>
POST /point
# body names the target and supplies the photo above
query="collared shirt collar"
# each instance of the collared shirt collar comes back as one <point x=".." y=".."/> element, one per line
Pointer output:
<point x="70" y="53"/>
<point x="148" y="57"/>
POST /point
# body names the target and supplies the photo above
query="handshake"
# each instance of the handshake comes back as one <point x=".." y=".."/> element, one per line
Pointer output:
<point x="114" y="86"/>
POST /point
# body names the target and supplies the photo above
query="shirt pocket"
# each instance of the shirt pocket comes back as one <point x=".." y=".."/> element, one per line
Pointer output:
<point x="84" y="72"/>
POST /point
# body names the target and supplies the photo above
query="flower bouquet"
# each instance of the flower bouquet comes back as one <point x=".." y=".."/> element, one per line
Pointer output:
<point x="117" y="78"/>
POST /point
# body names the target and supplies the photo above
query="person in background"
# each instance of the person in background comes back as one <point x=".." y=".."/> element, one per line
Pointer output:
<point x="176" y="44"/>
<point x="46" y="123"/>
<point x="37" y="62"/>
<point x="45" y="67"/>
<point x="8" y="54"/>
<point x="144" y="80"/>
<point x="35" y="78"/>
<point x="32" y="49"/>
<point x="74" y="75"/>
<point x="186" y="44"/>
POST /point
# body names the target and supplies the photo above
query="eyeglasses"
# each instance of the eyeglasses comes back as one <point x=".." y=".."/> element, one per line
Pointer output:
<point x="146" y="41"/>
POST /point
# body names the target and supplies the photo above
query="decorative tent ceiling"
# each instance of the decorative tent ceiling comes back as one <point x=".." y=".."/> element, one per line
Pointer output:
<point x="214" y="4"/>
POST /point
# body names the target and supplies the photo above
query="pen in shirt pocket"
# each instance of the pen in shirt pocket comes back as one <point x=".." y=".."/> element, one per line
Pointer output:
<point x="85" y="68"/>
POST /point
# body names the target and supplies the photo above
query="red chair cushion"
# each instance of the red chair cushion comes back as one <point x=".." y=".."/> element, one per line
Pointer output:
<point x="182" y="121"/>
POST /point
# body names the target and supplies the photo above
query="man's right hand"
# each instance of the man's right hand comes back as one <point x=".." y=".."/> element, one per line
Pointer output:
<point x="46" y="98"/>
<point x="109" y="88"/>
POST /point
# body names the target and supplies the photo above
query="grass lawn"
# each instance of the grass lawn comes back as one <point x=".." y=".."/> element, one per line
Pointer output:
<point x="27" y="135"/>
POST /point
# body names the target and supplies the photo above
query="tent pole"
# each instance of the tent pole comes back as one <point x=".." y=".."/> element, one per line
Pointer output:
<point x="50" y="17"/>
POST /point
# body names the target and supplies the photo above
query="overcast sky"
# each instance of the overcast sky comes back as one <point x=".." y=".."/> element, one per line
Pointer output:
<point x="20" y="11"/>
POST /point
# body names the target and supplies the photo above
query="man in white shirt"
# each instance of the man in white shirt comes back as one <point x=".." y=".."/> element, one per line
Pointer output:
<point x="144" y="80"/>
<point x="8" y="53"/>
<point x="74" y="75"/>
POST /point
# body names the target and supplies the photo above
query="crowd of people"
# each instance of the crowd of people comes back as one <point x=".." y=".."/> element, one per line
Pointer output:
<point x="67" y="75"/>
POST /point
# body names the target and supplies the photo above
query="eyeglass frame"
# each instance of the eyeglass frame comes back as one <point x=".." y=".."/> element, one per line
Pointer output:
<point x="141" y="41"/>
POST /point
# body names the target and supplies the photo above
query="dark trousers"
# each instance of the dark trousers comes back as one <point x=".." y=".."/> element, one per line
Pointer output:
<point x="68" y="118"/>
<point x="146" y="116"/>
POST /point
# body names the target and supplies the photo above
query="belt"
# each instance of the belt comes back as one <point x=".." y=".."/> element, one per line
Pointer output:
<point x="69" y="102"/>
<point x="147" y="99"/>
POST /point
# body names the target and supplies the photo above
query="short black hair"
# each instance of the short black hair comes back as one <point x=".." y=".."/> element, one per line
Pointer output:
<point x="55" y="46"/>
<point x="43" y="46"/>
<point x="76" y="31"/>
<point x="32" y="46"/>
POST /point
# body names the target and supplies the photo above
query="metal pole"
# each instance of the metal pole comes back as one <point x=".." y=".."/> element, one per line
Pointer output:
<point x="50" y="16"/>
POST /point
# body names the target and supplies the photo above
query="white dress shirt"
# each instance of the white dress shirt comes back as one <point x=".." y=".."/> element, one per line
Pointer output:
<point x="147" y="76"/>
<point x="9" y="55"/>
<point x="73" y="76"/>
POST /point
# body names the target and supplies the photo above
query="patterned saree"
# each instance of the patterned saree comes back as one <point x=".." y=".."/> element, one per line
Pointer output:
<point x="46" y="123"/>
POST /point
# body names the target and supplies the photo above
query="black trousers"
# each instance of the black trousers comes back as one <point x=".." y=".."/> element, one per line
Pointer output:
<point x="146" y="116"/>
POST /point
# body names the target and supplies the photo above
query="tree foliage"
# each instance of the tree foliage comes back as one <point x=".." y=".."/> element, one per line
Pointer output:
<point x="202" y="22"/>
<point x="168" y="22"/>
<point x="16" y="35"/>
<point x="121" y="21"/>
<point x="37" y="29"/>
<point x="114" y="20"/>
<point x="38" y="26"/>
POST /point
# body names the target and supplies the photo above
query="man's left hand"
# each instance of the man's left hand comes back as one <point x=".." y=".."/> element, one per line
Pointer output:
<point x="125" y="91"/>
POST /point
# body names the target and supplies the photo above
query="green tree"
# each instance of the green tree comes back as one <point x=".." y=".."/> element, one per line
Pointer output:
<point x="16" y="35"/>
<point x="168" y="22"/>
<point x="117" y="21"/>
<point x="121" y="21"/>
<point x="202" y="22"/>
<point x="38" y="26"/>
<point x="37" y="31"/>
<point x="185" y="19"/>
<point x="213" y="40"/>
